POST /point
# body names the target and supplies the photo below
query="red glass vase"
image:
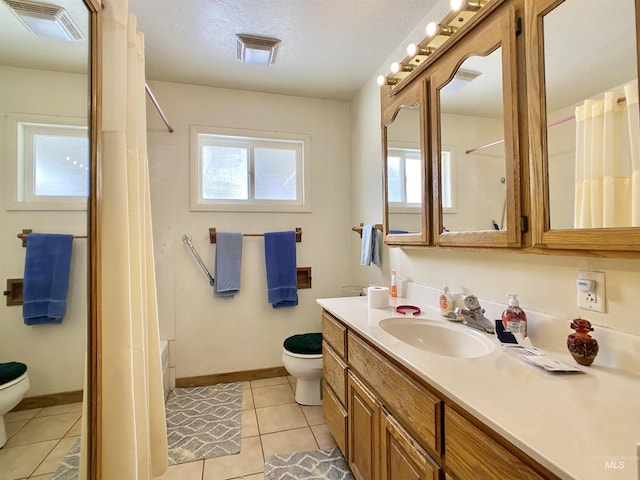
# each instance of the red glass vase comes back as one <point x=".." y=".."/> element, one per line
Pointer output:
<point x="581" y="345"/>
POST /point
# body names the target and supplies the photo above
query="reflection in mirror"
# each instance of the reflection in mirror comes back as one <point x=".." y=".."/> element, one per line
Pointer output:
<point x="404" y="172"/>
<point x="44" y="171"/>
<point x="472" y="153"/>
<point x="592" y="114"/>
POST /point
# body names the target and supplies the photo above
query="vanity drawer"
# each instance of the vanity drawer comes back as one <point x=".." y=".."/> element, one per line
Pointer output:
<point x="336" y="418"/>
<point x="334" y="372"/>
<point x="417" y="410"/>
<point x="472" y="454"/>
<point x="335" y="334"/>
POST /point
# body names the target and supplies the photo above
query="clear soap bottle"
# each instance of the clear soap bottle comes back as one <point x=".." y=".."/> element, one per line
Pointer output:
<point x="514" y="319"/>
<point x="446" y="300"/>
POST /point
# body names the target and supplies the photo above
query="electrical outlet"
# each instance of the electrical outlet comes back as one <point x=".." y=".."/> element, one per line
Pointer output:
<point x="594" y="298"/>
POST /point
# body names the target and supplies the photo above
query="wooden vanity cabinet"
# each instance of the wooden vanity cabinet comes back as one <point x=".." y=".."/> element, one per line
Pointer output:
<point x="393" y="426"/>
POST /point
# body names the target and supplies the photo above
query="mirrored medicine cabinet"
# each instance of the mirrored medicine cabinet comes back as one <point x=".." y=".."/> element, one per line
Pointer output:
<point x="584" y="124"/>
<point x="532" y="136"/>
<point x="404" y="172"/>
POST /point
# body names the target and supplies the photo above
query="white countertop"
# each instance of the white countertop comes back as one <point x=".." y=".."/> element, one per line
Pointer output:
<point x="580" y="426"/>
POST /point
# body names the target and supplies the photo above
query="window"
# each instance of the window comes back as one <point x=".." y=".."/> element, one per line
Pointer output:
<point x="51" y="166"/>
<point x="239" y="170"/>
<point x="447" y="181"/>
<point x="404" y="178"/>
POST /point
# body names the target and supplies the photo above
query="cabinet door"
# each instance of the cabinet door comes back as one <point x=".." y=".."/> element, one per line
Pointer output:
<point x="363" y="431"/>
<point x="402" y="458"/>
<point x="585" y="184"/>
<point x="335" y="417"/>
<point x="471" y="454"/>
<point x="476" y="153"/>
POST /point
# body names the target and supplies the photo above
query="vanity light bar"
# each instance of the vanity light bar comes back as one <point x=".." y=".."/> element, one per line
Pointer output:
<point x="400" y="70"/>
<point x="457" y="5"/>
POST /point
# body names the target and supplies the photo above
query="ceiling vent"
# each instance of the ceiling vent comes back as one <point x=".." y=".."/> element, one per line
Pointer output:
<point x="46" y="20"/>
<point x="257" y="50"/>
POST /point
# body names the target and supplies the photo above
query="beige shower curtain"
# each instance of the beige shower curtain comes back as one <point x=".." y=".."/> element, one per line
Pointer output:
<point x="608" y="161"/>
<point x="134" y="441"/>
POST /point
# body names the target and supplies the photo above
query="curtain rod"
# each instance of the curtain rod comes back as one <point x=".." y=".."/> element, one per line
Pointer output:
<point x="158" y="108"/>
<point x="550" y="124"/>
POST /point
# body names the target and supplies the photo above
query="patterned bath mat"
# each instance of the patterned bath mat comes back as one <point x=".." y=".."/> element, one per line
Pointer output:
<point x="68" y="469"/>
<point x="313" y="465"/>
<point x="204" y="422"/>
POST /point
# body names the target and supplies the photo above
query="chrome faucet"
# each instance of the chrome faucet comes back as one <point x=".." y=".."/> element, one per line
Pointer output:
<point x="473" y="315"/>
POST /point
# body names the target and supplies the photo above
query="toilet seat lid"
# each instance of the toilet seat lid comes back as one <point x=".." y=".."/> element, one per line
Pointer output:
<point x="304" y="344"/>
<point x="10" y="371"/>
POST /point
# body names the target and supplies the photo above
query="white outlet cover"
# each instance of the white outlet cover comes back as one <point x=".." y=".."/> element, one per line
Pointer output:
<point x="598" y="291"/>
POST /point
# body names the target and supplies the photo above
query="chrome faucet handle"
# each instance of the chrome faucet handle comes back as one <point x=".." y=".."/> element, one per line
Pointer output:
<point x="472" y="303"/>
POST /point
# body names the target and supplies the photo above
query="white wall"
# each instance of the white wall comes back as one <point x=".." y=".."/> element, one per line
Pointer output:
<point x="54" y="354"/>
<point x="544" y="283"/>
<point x="216" y="335"/>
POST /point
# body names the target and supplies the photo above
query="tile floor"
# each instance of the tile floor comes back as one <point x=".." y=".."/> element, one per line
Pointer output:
<point x="38" y="440"/>
<point x="272" y="422"/>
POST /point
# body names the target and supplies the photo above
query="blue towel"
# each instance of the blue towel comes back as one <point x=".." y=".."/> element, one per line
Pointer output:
<point x="46" y="278"/>
<point x="371" y="246"/>
<point x="282" y="275"/>
<point x="228" y="262"/>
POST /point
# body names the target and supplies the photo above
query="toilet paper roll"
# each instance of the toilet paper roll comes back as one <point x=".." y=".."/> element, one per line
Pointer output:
<point x="378" y="297"/>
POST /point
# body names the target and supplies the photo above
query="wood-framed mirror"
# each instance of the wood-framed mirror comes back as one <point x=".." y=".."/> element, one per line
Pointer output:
<point x="584" y="129"/>
<point x="50" y="103"/>
<point x="406" y="211"/>
<point x="475" y="137"/>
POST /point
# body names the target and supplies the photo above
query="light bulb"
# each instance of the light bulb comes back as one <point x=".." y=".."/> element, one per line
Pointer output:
<point x="412" y="49"/>
<point x="381" y="80"/>
<point x="457" y="5"/>
<point x="395" y="67"/>
<point x="432" y="29"/>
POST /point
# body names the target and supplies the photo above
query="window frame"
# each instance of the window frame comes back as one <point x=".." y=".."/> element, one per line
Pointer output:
<point x="301" y="143"/>
<point x="20" y="168"/>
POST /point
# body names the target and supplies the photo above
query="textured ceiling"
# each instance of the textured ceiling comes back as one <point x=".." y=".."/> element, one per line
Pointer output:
<point x="329" y="49"/>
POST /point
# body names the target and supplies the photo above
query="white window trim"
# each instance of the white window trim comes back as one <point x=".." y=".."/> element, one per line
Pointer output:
<point x="15" y="178"/>
<point x="197" y="203"/>
<point x="453" y="190"/>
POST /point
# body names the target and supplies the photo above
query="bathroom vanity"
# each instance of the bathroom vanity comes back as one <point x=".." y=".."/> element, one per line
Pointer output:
<point x="400" y="412"/>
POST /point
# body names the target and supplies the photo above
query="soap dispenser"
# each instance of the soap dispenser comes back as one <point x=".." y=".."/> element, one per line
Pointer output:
<point x="514" y="319"/>
<point x="446" y="300"/>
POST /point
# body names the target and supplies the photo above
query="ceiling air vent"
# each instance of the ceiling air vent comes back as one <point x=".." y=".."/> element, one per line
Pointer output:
<point x="257" y="50"/>
<point x="46" y="20"/>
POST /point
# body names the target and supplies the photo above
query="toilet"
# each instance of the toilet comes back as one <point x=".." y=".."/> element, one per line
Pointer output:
<point x="14" y="384"/>
<point x="302" y="358"/>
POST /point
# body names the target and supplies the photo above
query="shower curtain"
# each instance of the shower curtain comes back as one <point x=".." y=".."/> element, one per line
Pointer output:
<point x="608" y="161"/>
<point x="134" y="440"/>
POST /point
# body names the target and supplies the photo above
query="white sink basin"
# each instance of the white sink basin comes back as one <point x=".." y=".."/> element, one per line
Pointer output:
<point x="438" y="337"/>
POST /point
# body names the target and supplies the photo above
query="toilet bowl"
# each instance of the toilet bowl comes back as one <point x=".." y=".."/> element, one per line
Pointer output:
<point x="302" y="358"/>
<point x="14" y="384"/>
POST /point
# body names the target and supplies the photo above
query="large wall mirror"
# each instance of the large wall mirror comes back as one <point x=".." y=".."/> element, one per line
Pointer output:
<point x="475" y="142"/>
<point x="404" y="168"/>
<point x="48" y="165"/>
<point x="591" y="86"/>
<point x="585" y="132"/>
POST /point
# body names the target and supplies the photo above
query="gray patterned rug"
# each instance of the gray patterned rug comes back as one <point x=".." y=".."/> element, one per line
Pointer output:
<point x="68" y="469"/>
<point x="313" y="465"/>
<point x="204" y="422"/>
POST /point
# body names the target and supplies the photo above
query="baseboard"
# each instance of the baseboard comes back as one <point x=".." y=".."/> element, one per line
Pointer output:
<point x="245" y="376"/>
<point x="49" y="400"/>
